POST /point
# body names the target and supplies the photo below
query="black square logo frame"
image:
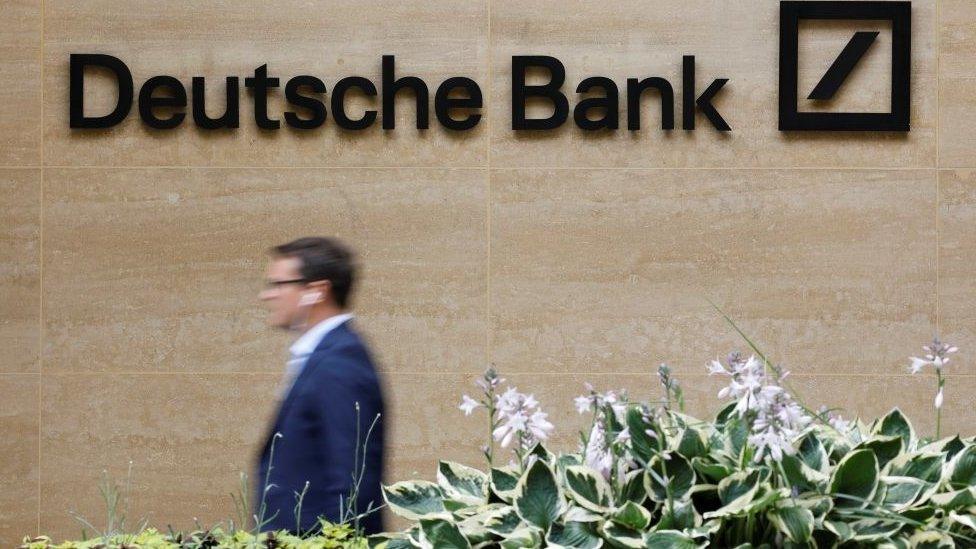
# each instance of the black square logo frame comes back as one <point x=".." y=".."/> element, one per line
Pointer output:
<point x="897" y="119"/>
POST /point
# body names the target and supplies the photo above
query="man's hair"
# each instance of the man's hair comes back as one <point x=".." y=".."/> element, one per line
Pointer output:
<point x="323" y="258"/>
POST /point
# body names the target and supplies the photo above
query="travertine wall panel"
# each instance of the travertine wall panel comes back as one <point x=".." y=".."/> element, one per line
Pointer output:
<point x="131" y="258"/>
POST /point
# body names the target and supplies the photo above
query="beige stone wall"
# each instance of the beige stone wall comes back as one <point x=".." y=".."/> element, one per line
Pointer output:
<point x="132" y="258"/>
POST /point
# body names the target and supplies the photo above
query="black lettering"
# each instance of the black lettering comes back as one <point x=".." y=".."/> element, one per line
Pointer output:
<point x="311" y="104"/>
<point x="148" y="103"/>
<point x="636" y="88"/>
<point x="259" y="85"/>
<point x="443" y="103"/>
<point x="390" y="89"/>
<point x="76" y="108"/>
<point x="339" y="99"/>
<point x="550" y="91"/>
<point x="231" y="116"/>
<point x="609" y="104"/>
<point x="703" y="102"/>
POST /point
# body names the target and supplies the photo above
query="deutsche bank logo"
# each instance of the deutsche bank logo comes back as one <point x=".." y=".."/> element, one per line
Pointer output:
<point x="791" y="117"/>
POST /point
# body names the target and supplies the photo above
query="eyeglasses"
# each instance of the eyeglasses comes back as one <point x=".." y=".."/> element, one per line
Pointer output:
<point x="278" y="283"/>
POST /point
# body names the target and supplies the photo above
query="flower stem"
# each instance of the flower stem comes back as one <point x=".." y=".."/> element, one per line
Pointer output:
<point x="490" y="451"/>
<point x="938" y="409"/>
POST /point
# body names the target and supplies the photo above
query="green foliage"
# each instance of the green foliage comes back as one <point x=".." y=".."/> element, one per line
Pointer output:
<point x="685" y="483"/>
<point x="329" y="536"/>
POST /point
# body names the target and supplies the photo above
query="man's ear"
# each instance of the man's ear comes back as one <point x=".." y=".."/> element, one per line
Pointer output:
<point x="324" y="287"/>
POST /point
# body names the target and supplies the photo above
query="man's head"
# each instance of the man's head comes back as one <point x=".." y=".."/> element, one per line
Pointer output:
<point x="308" y="279"/>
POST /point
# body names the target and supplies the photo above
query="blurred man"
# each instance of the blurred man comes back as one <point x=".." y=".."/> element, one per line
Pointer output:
<point x="330" y="396"/>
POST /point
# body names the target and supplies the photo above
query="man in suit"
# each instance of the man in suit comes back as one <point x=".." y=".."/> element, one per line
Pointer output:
<point x="330" y="397"/>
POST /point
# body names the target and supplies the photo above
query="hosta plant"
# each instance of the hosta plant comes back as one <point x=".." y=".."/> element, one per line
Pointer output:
<point x="766" y="471"/>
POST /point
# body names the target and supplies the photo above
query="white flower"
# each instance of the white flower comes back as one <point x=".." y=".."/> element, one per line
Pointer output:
<point x="776" y="419"/>
<point x="715" y="367"/>
<point x="518" y="418"/>
<point x="538" y="426"/>
<point x="508" y="400"/>
<point x="937" y="354"/>
<point x="468" y="405"/>
<point x="582" y="403"/>
<point x="623" y="437"/>
<point x="512" y="426"/>
<point x="938" y="399"/>
<point x="839" y="423"/>
<point x="597" y="456"/>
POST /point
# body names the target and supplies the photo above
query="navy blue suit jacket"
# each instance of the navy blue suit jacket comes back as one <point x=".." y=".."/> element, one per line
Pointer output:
<point x="317" y="421"/>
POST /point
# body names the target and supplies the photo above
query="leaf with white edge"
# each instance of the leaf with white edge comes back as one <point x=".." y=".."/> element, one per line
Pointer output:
<point x="621" y="536"/>
<point x="867" y="531"/>
<point x="539" y="499"/>
<point x="885" y="447"/>
<point x="632" y="516"/>
<point x="895" y="543"/>
<point x="765" y="497"/>
<point x="798" y="474"/>
<point x="645" y="446"/>
<point x="967" y="520"/>
<point x="854" y="480"/>
<point x="588" y="488"/>
<point x="812" y="452"/>
<point x="502" y="521"/>
<point x="840" y="529"/>
<point x="894" y="423"/>
<point x="930" y="540"/>
<point x="576" y="535"/>
<point x="681" y="515"/>
<point x="417" y="539"/>
<point x="675" y="471"/>
<point x="633" y="488"/>
<point x="736" y="436"/>
<point x="462" y="483"/>
<point x="922" y="465"/>
<point x="691" y="443"/>
<point x="710" y="469"/>
<point x="522" y="538"/>
<point x="819" y="505"/>
<point x="443" y="534"/>
<point x="962" y="468"/>
<point x="901" y="491"/>
<point x="503" y="483"/>
<point x="474" y="527"/>
<point x="578" y="514"/>
<point x="957" y="499"/>
<point x="742" y="484"/>
<point x="390" y="541"/>
<point x="669" y="539"/>
<point x="796" y="523"/>
<point x="949" y="446"/>
<point x="415" y="499"/>
<point x="539" y="450"/>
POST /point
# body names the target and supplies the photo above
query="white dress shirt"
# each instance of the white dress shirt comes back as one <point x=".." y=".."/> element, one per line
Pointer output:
<point x="305" y="345"/>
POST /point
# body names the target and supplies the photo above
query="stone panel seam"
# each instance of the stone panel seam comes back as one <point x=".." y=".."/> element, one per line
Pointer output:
<point x="40" y="286"/>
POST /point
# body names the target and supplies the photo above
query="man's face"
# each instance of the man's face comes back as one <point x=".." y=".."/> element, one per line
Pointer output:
<point x="283" y="291"/>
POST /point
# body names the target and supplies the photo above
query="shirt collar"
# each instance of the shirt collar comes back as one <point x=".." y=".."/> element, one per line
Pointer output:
<point x="307" y="342"/>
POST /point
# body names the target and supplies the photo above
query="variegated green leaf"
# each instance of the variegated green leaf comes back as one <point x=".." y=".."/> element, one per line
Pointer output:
<point x="855" y="479"/>
<point x="539" y="499"/>
<point x="588" y="488"/>
<point x="415" y="499"/>
<point x="462" y="483"/>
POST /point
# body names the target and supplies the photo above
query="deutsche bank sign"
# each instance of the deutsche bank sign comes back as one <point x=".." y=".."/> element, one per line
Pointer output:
<point x="164" y="102"/>
<point x="897" y="117"/>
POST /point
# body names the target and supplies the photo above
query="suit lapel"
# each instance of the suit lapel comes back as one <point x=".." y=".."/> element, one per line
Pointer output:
<point x="328" y="341"/>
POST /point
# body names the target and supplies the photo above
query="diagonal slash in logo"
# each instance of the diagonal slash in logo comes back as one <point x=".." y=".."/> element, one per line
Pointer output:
<point x="843" y="65"/>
